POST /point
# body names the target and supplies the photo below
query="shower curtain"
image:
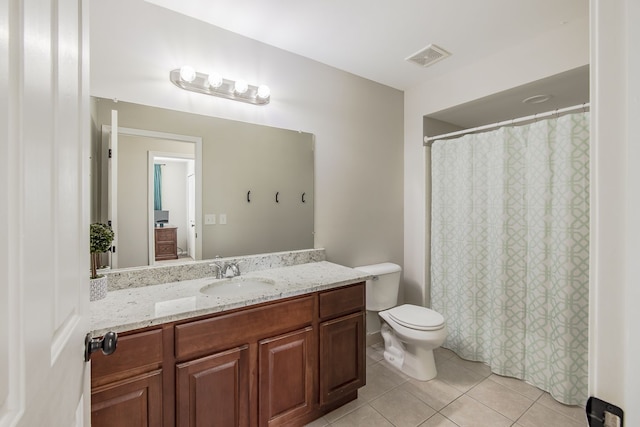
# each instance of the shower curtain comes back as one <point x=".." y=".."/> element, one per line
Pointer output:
<point x="157" y="187"/>
<point x="510" y="250"/>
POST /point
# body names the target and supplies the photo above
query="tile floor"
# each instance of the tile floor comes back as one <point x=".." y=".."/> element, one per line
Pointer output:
<point x="464" y="394"/>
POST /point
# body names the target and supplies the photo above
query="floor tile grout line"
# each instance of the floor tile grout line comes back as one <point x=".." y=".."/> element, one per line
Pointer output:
<point x="527" y="410"/>
<point x="557" y="412"/>
<point x="495" y="410"/>
<point x="400" y="380"/>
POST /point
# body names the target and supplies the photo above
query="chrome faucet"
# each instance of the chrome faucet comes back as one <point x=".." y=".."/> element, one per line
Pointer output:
<point x="228" y="269"/>
<point x="218" y="269"/>
<point x="231" y="269"/>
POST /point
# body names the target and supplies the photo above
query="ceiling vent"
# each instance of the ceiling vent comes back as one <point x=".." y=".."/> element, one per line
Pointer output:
<point x="428" y="56"/>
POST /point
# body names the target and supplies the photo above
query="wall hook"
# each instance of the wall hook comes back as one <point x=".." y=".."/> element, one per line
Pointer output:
<point x="303" y="201"/>
<point x="249" y="196"/>
<point x="277" y="193"/>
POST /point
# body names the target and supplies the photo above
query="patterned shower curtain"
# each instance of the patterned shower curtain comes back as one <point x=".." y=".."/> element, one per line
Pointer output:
<point x="510" y="250"/>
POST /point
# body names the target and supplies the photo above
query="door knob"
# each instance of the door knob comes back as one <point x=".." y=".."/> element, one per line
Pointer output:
<point x="107" y="344"/>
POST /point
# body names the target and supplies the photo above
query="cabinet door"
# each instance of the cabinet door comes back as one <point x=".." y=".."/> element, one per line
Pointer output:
<point x="134" y="402"/>
<point x="286" y="377"/>
<point x="214" y="390"/>
<point x="342" y="357"/>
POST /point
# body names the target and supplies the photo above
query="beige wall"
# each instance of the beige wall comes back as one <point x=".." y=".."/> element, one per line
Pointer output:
<point x="265" y="161"/>
<point x="357" y="123"/>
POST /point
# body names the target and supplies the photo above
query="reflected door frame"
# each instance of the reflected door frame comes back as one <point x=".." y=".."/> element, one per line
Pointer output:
<point x="110" y="183"/>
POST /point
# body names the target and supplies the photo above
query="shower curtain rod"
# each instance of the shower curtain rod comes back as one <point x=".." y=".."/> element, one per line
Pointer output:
<point x="429" y="139"/>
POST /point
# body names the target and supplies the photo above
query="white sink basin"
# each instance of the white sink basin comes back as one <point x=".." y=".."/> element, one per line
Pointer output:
<point x="237" y="287"/>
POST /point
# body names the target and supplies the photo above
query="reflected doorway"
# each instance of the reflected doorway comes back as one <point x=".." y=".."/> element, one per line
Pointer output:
<point x="172" y="177"/>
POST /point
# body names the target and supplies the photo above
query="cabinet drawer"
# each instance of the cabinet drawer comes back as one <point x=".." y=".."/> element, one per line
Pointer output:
<point x="135" y="354"/>
<point x="165" y="248"/>
<point x="164" y="234"/>
<point x="341" y="301"/>
<point x="231" y="330"/>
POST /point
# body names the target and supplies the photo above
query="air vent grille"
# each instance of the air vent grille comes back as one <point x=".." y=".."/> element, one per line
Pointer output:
<point x="428" y="56"/>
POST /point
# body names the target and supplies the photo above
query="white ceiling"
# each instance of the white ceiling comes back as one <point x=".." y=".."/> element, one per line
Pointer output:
<point x="372" y="39"/>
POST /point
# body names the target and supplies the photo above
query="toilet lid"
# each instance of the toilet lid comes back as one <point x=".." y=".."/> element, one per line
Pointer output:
<point x="416" y="317"/>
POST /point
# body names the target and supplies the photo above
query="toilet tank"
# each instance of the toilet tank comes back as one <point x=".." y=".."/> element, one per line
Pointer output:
<point x="382" y="289"/>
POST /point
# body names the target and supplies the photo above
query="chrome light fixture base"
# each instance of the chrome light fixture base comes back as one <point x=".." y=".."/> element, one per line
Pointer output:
<point x="225" y="90"/>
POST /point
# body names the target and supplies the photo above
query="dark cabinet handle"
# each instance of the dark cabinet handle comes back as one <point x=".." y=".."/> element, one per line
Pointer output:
<point x="249" y="196"/>
<point x="277" y="193"/>
<point x="303" y="201"/>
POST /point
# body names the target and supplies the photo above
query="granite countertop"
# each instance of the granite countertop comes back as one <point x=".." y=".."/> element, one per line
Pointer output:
<point x="139" y="307"/>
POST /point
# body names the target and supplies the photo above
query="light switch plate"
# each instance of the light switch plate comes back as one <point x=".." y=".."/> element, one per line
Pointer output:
<point x="223" y="219"/>
<point x="210" y="219"/>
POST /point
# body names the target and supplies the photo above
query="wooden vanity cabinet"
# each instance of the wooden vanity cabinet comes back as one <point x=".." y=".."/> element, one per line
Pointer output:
<point x="283" y="363"/>
<point x="126" y="387"/>
<point x="342" y="344"/>
<point x="260" y="361"/>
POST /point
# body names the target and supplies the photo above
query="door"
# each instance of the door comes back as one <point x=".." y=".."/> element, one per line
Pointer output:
<point x="342" y="358"/>
<point x="214" y="387"/>
<point x="44" y="213"/>
<point x="112" y="192"/>
<point x="285" y="375"/>
<point x="135" y="402"/>
<point x="191" y="208"/>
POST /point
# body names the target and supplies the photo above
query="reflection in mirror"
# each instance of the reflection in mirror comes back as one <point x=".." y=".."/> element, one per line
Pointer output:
<point x="251" y="186"/>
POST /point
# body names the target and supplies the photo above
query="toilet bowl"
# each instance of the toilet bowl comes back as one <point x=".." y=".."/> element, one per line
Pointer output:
<point x="410" y="332"/>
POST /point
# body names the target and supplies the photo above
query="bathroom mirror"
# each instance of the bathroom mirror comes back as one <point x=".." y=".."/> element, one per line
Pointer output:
<point x="237" y="188"/>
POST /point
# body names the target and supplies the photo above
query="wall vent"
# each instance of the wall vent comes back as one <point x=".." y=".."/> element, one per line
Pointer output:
<point x="428" y="56"/>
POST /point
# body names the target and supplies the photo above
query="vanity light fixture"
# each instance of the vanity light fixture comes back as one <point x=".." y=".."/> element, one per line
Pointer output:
<point x="213" y="84"/>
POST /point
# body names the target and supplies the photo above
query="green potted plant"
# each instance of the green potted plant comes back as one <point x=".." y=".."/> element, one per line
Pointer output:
<point x="100" y="238"/>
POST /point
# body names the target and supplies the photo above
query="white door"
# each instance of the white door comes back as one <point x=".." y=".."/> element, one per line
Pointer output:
<point x="112" y="185"/>
<point x="191" y="208"/>
<point x="44" y="213"/>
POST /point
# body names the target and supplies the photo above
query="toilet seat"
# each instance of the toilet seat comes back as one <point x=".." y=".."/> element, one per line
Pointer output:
<point x="416" y="317"/>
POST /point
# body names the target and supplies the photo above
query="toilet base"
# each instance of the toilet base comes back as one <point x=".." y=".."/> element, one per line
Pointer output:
<point x="410" y="359"/>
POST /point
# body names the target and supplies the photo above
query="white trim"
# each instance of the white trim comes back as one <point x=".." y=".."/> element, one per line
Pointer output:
<point x="155" y="134"/>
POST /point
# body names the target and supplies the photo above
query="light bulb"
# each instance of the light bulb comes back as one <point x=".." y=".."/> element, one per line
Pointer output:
<point x="241" y="86"/>
<point x="263" y="91"/>
<point x="215" y="80"/>
<point x="187" y="73"/>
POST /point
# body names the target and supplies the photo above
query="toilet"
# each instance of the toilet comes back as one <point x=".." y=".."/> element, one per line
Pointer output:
<point x="410" y="332"/>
